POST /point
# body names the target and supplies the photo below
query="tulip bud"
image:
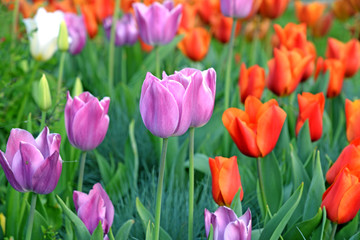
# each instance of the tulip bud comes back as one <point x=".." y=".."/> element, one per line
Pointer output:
<point x="2" y="222"/>
<point x="43" y="94"/>
<point x="78" y="87"/>
<point x="63" y="39"/>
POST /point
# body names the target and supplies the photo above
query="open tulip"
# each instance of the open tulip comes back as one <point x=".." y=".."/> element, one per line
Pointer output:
<point x="226" y="225"/>
<point x="251" y="82"/>
<point x="126" y="32"/>
<point x="157" y="23"/>
<point x="352" y="113"/>
<point x="311" y="108"/>
<point x="32" y="164"/>
<point x="239" y="8"/>
<point x="195" y="44"/>
<point x="43" y="31"/>
<point x="77" y="32"/>
<point x="342" y="198"/>
<point x="309" y="13"/>
<point x="273" y="8"/>
<point x="286" y="70"/>
<point x="226" y="180"/>
<point x="86" y="120"/>
<point x="94" y="207"/>
<point x="256" y="130"/>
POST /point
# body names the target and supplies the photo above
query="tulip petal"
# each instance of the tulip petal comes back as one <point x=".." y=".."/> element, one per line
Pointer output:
<point x="208" y="216"/>
<point x="140" y="11"/>
<point x="42" y="142"/>
<point x="171" y="24"/>
<point x="246" y="139"/>
<point x="252" y="107"/>
<point x="16" y="136"/>
<point x="349" y="204"/>
<point x="109" y="214"/>
<point x="80" y="198"/>
<point x="9" y="173"/>
<point x="71" y="108"/>
<point x="236" y="231"/>
<point x="105" y="102"/>
<point x="215" y="172"/>
<point x="223" y="216"/>
<point x="92" y="212"/>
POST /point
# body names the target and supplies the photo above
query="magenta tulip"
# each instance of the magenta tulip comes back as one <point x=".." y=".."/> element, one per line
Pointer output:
<point x="77" y="32"/>
<point x="86" y="120"/>
<point x="32" y="164"/>
<point x="226" y="225"/>
<point x="94" y="207"/>
<point x="157" y="23"/>
<point x="126" y="32"/>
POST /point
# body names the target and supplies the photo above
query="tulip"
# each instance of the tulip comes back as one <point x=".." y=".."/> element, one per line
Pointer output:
<point x="208" y="9"/>
<point x="256" y="130"/>
<point x="342" y="198"/>
<point x="221" y="27"/>
<point x="349" y="157"/>
<point x="43" y="31"/>
<point x="32" y="164"/>
<point x="311" y="108"/>
<point x="94" y="207"/>
<point x="226" y="225"/>
<point x="273" y="8"/>
<point x="127" y="5"/>
<point x="342" y="9"/>
<point x="158" y="23"/>
<point x="195" y="44"/>
<point x="188" y="18"/>
<point x="86" y="120"/>
<point x="77" y="32"/>
<point x="309" y="13"/>
<point x="286" y="70"/>
<point x="352" y="113"/>
<point x="63" y="39"/>
<point x="226" y="179"/>
<point x="126" y="32"/>
<point x="239" y="8"/>
<point x="322" y="27"/>
<point x="90" y="20"/>
<point x="348" y="53"/>
<point x="257" y="29"/>
<point x="145" y="47"/>
<point x="42" y="94"/>
<point x="251" y="82"/>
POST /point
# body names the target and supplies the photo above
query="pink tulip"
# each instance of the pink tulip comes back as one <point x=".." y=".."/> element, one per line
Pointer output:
<point x="94" y="207"/>
<point x="239" y="8"/>
<point x="32" y="164"/>
<point x="77" y="32"/>
<point x="86" y="120"/>
<point x="126" y="32"/>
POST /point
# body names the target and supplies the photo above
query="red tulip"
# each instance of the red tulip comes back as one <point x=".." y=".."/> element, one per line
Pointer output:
<point x="195" y="44"/>
<point x="309" y="13"/>
<point x="273" y="8"/>
<point x="352" y="112"/>
<point x="251" y="82"/>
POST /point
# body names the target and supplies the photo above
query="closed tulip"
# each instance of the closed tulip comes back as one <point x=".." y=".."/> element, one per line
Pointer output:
<point x="226" y="179"/>
<point x="239" y="8"/>
<point x="256" y="130"/>
<point x="157" y="23"/>
<point x="286" y="70"/>
<point x="221" y="27"/>
<point x="77" y="32"/>
<point x="322" y="27"/>
<point x="32" y="164"/>
<point x="273" y="8"/>
<point x="352" y="113"/>
<point x="195" y="44"/>
<point x="126" y="32"/>
<point x="94" y="207"/>
<point x="226" y="225"/>
<point x="349" y="157"/>
<point x="311" y="108"/>
<point x="342" y="9"/>
<point x="251" y="82"/>
<point x="43" y="32"/>
<point x="348" y="53"/>
<point x="86" y="120"/>
<point x="309" y="13"/>
<point x="342" y="198"/>
<point x="188" y="18"/>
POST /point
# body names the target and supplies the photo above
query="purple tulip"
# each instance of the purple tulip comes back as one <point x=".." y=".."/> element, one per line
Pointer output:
<point x="94" y="207"/>
<point x="157" y="23"/>
<point x="77" y="32"/>
<point x="236" y="8"/>
<point x="32" y="164"/>
<point x="204" y="93"/>
<point x="126" y="32"/>
<point x="227" y="226"/>
<point x="86" y="120"/>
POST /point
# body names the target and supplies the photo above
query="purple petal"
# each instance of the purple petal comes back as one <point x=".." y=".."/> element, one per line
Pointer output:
<point x="71" y="108"/>
<point x="79" y="199"/>
<point x="105" y="102"/>
<point x="109" y="216"/>
<point x="142" y="22"/>
<point x="77" y="32"/>
<point x="223" y="216"/>
<point x="236" y="8"/>
<point x="172" y="24"/>
<point x="236" y="231"/>
<point x="9" y="174"/>
<point x="157" y="16"/>
<point x="169" y="4"/>
<point x="16" y="136"/>
<point x="42" y="142"/>
<point x="91" y="212"/>
<point x="207" y="215"/>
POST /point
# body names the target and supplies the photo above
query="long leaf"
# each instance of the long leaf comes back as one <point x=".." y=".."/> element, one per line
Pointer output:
<point x="124" y="230"/>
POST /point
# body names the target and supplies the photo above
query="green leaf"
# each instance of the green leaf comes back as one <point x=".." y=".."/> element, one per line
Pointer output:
<point x="255" y="234"/>
<point x="201" y="163"/>
<point x="349" y="229"/>
<point x="304" y="229"/>
<point x="12" y="211"/>
<point x="304" y="143"/>
<point x="113" y="188"/>
<point x="321" y="84"/>
<point x="319" y="233"/>
<point x="211" y="233"/>
<point x="106" y="170"/>
<point x="146" y="217"/>
<point x="110" y="234"/>
<point x="81" y="232"/>
<point x="276" y="225"/>
<point x="149" y="231"/>
<point x="236" y="204"/>
<point x="355" y="237"/>
<point x="98" y="233"/>
<point x="124" y="230"/>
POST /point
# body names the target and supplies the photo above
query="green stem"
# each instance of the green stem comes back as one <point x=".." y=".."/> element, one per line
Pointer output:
<point x="13" y="33"/>
<point x="43" y="118"/>
<point x="112" y="49"/>
<point x="123" y="65"/>
<point x="191" y="182"/>
<point x="333" y="232"/>
<point x="31" y="216"/>
<point x="81" y="171"/>
<point x="159" y="189"/>
<point x="157" y="62"/>
<point x="60" y="76"/>
<point x="261" y="183"/>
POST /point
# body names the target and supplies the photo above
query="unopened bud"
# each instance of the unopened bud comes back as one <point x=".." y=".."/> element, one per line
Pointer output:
<point x="44" y="96"/>
<point x="78" y="88"/>
<point x="63" y="39"/>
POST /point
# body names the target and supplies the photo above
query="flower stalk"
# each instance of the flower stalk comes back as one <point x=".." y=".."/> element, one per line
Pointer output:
<point x="81" y="171"/>
<point x="191" y="182"/>
<point x="31" y="216"/>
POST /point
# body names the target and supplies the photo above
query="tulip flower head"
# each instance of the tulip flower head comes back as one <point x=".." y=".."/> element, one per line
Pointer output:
<point x="273" y="8"/>
<point x="94" y="207"/>
<point x="32" y="164"/>
<point x="226" y="180"/>
<point x="239" y="8"/>
<point x="309" y="13"/>
<point x="77" y="32"/>
<point x="157" y="23"/>
<point x="256" y="130"/>
<point x="86" y="120"/>
<point x="226" y="225"/>
<point x="43" y="32"/>
<point x="126" y="32"/>
<point x="195" y="44"/>
<point x="352" y="113"/>
<point x="251" y="82"/>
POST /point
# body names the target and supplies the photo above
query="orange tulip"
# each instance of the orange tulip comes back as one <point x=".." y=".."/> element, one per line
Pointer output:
<point x="273" y="8"/>
<point x="309" y="13"/>
<point x="251" y="82"/>
<point x="349" y="157"/>
<point x="225" y="179"/>
<point x="322" y="27"/>
<point x="90" y="20"/>
<point x="348" y="53"/>
<point x="256" y="130"/>
<point x="342" y="9"/>
<point x="195" y="44"/>
<point x="188" y="18"/>
<point x="256" y="29"/>
<point x="286" y="70"/>
<point x="355" y="4"/>
<point x="352" y="113"/>
<point x="311" y="108"/>
<point x="221" y="27"/>
<point x="342" y="198"/>
<point x="126" y="5"/>
<point x="145" y="47"/>
<point x="208" y="8"/>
